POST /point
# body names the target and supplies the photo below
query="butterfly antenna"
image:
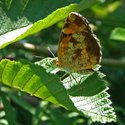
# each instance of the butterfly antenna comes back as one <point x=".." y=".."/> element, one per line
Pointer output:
<point x="51" y="52"/>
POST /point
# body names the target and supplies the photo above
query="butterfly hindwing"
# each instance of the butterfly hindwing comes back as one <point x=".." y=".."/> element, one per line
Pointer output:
<point x="78" y="48"/>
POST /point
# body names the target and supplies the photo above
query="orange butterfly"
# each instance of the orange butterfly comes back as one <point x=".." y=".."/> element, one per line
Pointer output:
<point x="78" y="49"/>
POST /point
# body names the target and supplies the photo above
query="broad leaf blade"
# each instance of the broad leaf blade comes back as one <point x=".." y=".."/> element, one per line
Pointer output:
<point x="78" y="84"/>
<point x="118" y="34"/>
<point x="21" y="33"/>
<point x="85" y="85"/>
<point x="9" y="111"/>
<point x="97" y="107"/>
<point x="88" y="97"/>
<point x="27" y="22"/>
<point x="17" y="14"/>
<point x="35" y="80"/>
<point x="22" y="103"/>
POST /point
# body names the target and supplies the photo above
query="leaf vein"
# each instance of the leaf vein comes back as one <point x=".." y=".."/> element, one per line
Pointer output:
<point x="25" y="6"/>
<point x="43" y="85"/>
<point x="27" y="81"/>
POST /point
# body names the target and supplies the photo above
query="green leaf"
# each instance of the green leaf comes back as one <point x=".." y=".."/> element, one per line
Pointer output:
<point x="36" y="80"/>
<point x="16" y="14"/>
<point x="10" y="113"/>
<point x="87" y="85"/>
<point x="118" y="34"/>
<point x="79" y="84"/>
<point x="86" y="4"/>
<point x="58" y="119"/>
<point x="21" y="33"/>
<point x="22" y="103"/>
<point x="20" y="22"/>
<point x="41" y="112"/>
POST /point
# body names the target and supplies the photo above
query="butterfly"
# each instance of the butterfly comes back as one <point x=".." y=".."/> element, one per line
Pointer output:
<point x="78" y="48"/>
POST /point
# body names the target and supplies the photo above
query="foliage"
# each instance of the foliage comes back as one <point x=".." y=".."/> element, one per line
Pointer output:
<point x="83" y="94"/>
<point x="118" y="34"/>
<point x="49" y="87"/>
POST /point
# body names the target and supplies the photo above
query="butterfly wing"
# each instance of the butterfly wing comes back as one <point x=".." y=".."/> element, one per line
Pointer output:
<point x="78" y="48"/>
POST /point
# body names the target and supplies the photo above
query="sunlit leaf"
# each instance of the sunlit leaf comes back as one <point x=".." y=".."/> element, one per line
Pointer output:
<point x="34" y="80"/>
<point x="85" y="85"/>
<point x="36" y="24"/>
<point x="118" y="34"/>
